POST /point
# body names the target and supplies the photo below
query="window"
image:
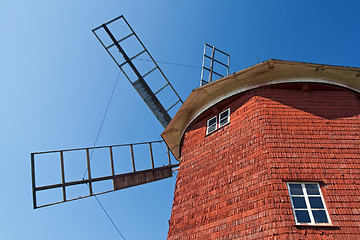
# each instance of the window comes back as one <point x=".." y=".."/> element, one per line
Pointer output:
<point x="224" y="117"/>
<point x="307" y="203"/>
<point x="211" y="125"/>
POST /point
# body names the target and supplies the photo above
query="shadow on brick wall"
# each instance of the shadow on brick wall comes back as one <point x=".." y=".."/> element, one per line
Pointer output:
<point x="325" y="101"/>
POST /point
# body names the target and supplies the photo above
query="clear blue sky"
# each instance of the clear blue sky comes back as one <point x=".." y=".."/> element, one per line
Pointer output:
<point x="56" y="79"/>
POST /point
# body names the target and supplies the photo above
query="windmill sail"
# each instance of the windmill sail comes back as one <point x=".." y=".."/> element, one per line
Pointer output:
<point x="122" y="39"/>
<point x="121" y="42"/>
<point x="123" y="171"/>
<point x="219" y="66"/>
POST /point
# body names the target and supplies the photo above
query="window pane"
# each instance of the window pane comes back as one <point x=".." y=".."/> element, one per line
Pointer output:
<point x="223" y="121"/>
<point x="312" y="189"/>
<point x="299" y="202"/>
<point x="302" y="216"/>
<point x="211" y="128"/>
<point x="295" y="189"/>
<point x="315" y="202"/>
<point x="224" y="114"/>
<point x="212" y="121"/>
<point x="320" y="216"/>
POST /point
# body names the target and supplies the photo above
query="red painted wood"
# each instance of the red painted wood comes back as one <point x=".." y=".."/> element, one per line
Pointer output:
<point x="232" y="183"/>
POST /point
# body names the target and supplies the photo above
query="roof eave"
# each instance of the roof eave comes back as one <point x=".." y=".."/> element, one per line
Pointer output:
<point x="266" y="73"/>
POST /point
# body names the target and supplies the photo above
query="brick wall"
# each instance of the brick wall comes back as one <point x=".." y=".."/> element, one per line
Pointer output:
<point x="232" y="183"/>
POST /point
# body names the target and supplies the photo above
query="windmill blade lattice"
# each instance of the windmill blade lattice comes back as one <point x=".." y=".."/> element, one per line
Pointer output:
<point x="55" y="179"/>
<point x="121" y="42"/>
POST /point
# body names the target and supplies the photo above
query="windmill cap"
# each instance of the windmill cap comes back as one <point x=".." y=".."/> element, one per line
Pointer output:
<point x="267" y="73"/>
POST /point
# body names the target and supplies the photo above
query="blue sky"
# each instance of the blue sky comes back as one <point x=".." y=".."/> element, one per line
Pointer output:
<point x="56" y="79"/>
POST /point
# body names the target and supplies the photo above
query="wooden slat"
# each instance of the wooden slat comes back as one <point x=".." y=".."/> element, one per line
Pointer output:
<point x="112" y="161"/>
<point x="63" y="174"/>
<point x="132" y="157"/>
<point x="33" y="179"/>
<point x="151" y="155"/>
<point x="141" y="177"/>
<point x="89" y="170"/>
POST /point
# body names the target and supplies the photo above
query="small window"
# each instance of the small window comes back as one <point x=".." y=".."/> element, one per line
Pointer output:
<point x="224" y="117"/>
<point x="307" y="203"/>
<point x="211" y="125"/>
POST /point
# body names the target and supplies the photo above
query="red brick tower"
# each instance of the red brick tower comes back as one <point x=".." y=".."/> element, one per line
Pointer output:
<point x="270" y="152"/>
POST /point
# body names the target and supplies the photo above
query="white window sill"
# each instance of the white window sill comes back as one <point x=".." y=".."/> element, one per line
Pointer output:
<point x="315" y="225"/>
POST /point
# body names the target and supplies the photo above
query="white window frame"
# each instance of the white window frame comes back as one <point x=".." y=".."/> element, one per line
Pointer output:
<point x="308" y="207"/>
<point x="208" y="126"/>
<point x="228" y="117"/>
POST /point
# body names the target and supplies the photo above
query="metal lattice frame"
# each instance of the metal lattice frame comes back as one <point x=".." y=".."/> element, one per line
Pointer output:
<point x="148" y="95"/>
<point x="120" y="181"/>
<point x="212" y="64"/>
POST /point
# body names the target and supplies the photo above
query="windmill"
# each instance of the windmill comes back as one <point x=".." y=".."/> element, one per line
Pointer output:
<point x="144" y="74"/>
